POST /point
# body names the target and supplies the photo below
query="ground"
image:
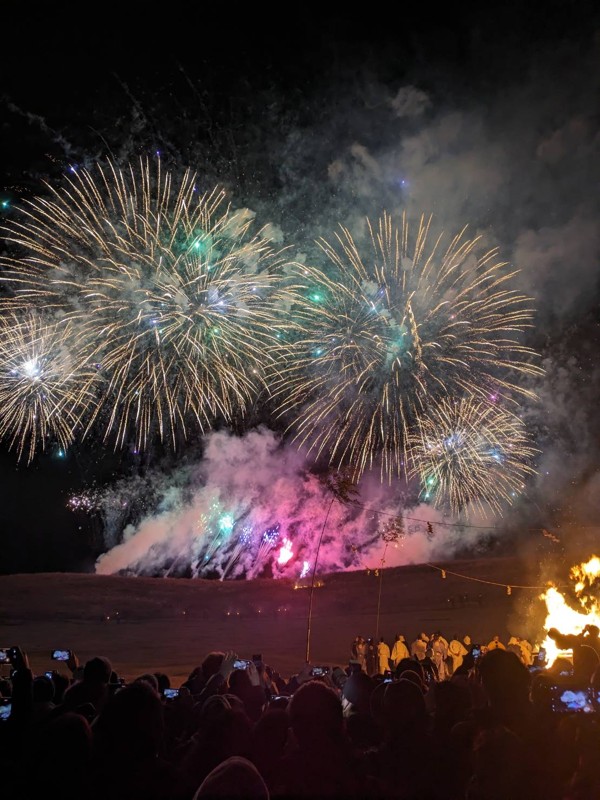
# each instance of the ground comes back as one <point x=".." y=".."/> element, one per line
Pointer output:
<point x="169" y="625"/>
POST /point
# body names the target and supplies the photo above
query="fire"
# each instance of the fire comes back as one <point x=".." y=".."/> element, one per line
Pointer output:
<point x="305" y="570"/>
<point x="285" y="553"/>
<point x="566" y="619"/>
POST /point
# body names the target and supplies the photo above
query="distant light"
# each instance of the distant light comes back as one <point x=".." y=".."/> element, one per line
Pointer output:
<point x="226" y="522"/>
<point x="31" y="368"/>
<point x="285" y="553"/>
<point x="5" y="204"/>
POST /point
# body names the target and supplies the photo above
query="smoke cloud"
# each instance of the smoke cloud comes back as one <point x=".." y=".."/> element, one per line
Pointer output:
<point x="248" y="494"/>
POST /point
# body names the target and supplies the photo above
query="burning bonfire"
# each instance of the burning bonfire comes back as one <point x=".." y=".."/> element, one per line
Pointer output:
<point x="566" y="618"/>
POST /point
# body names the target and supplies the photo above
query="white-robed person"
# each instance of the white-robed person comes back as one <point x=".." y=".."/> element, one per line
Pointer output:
<point x="399" y="650"/>
<point x="383" y="656"/>
<point x="457" y="651"/>
<point x="418" y="648"/>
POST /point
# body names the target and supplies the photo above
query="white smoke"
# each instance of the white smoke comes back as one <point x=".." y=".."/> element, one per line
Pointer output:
<point x="246" y="486"/>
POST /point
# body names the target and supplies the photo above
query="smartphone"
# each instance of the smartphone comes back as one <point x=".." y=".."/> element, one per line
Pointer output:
<point x="241" y="664"/>
<point x="169" y="694"/>
<point x="571" y="700"/>
<point x="387" y="674"/>
<point x="60" y="655"/>
<point x="388" y="680"/>
<point x="476" y="652"/>
<point x="279" y="697"/>
<point x="318" y="672"/>
<point x="50" y="675"/>
<point x="5" y="708"/>
<point x="5" y="655"/>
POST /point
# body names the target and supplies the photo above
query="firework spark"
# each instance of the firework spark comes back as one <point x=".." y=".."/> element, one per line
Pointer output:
<point x="470" y="452"/>
<point x="41" y="397"/>
<point x="388" y="330"/>
<point x="173" y="297"/>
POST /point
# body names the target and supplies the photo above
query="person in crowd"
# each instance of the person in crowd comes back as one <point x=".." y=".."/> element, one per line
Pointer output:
<point x="514" y="646"/>
<point x="418" y="648"/>
<point x="526" y="652"/>
<point x="361" y="652"/>
<point x="585" y="647"/>
<point x="457" y="651"/>
<point x="399" y="650"/>
<point x="92" y="689"/>
<point x="383" y="656"/>
<point x="438" y="658"/>
<point x="495" y="644"/>
<point x="320" y="764"/>
<point x="371" y="657"/>
<point x="439" y="644"/>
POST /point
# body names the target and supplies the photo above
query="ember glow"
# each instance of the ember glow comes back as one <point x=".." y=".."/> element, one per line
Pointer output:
<point x="564" y="616"/>
<point x="286" y="552"/>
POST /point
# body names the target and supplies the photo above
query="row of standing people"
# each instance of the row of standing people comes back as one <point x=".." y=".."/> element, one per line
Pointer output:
<point x="447" y="656"/>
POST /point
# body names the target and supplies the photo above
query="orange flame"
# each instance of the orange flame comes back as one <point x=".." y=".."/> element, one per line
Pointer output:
<point x="564" y="617"/>
<point x="286" y="552"/>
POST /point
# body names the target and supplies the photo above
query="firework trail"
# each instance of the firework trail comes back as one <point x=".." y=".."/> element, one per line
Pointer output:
<point x="41" y="378"/>
<point x="173" y="297"/>
<point x="470" y="453"/>
<point x="244" y="541"/>
<point x="267" y="542"/>
<point x="386" y="330"/>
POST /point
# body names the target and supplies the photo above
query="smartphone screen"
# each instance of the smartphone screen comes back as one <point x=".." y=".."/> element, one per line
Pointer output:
<point x="240" y="664"/>
<point x="568" y="700"/>
<point x="60" y="655"/>
<point x="5" y="709"/>
<point x="171" y="693"/>
<point x="4" y="656"/>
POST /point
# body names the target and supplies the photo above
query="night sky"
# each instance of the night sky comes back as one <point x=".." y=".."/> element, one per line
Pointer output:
<point x="486" y="114"/>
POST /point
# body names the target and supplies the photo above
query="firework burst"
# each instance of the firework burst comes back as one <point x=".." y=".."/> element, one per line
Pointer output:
<point x="470" y="452"/>
<point x="173" y="297"/>
<point x="390" y="327"/>
<point x="41" y="380"/>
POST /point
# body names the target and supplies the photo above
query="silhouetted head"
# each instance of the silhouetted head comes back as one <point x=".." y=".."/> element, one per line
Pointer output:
<point x="235" y="777"/>
<point x="130" y="727"/>
<point x="404" y="707"/>
<point x="505" y="679"/>
<point x="163" y="681"/>
<point x="149" y="679"/>
<point x="43" y="690"/>
<point x="97" y="670"/>
<point x="211" y="664"/>
<point x="357" y="691"/>
<point x="316" y="714"/>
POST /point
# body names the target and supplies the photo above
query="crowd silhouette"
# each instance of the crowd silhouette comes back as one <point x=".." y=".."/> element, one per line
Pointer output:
<point x="434" y="718"/>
